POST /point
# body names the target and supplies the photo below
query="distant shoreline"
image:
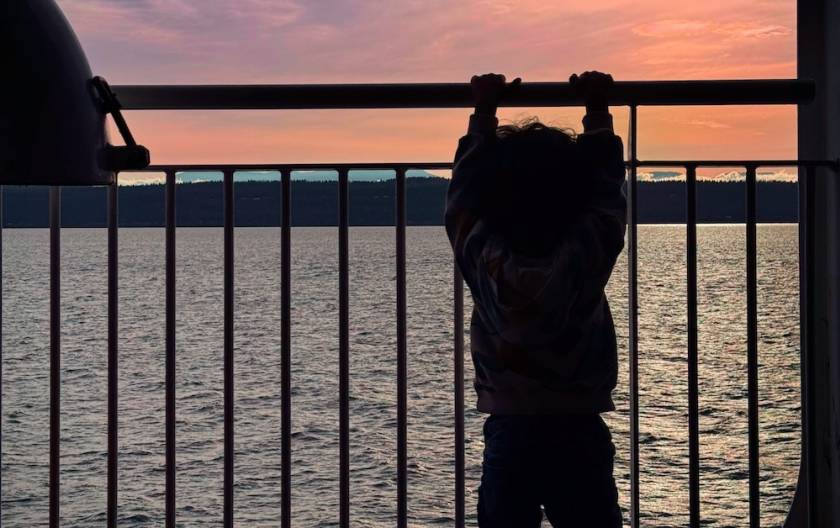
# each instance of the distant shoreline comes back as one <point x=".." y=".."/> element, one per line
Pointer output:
<point x="372" y="203"/>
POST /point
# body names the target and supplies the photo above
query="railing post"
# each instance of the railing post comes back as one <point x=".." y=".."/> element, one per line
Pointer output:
<point x="113" y="353"/>
<point x="343" y="349"/>
<point x="692" y="360"/>
<point x="286" y="351"/>
<point x="55" y="355"/>
<point x="2" y="225"/>
<point x="402" y="356"/>
<point x="458" y="308"/>
<point x="228" y="348"/>
<point x="752" y="349"/>
<point x="170" y="349"/>
<point x="818" y="58"/>
<point x="633" y="317"/>
<point x="809" y="380"/>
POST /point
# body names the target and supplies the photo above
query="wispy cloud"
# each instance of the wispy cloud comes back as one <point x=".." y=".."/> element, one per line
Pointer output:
<point x="744" y="29"/>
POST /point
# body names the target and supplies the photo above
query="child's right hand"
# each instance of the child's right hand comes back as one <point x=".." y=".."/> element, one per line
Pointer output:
<point x="488" y="90"/>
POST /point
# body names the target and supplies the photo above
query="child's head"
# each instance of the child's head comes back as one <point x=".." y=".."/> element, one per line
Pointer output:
<point x="540" y="187"/>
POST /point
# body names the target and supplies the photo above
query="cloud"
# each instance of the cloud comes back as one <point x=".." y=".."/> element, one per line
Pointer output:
<point x="364" y="40"/>
<point x="299" y="41"/>
<point x="671" y="28"/>
<point x="740" y="43"/>
<point x="745" y="29"/>
<point x="699" y="122"/>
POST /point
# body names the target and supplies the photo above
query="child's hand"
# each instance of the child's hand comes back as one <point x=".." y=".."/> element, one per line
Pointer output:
<point x="594" y="86"/>
<point x="488" y="90"/>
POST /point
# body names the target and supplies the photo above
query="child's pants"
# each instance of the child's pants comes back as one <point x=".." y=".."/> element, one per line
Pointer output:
<point x="563" y="463"/>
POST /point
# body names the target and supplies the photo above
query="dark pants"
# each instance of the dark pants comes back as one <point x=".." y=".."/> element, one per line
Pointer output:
<point x="563" y="463"/>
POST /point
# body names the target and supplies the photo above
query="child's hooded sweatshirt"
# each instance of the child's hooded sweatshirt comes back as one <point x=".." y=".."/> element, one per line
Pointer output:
<point x="542" y="335"/>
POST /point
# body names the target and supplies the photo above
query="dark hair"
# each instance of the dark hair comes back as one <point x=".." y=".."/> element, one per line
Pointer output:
<point x="539" y="188"/>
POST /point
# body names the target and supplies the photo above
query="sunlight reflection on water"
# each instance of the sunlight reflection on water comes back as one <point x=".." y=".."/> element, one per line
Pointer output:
<point x="664" y="450"/>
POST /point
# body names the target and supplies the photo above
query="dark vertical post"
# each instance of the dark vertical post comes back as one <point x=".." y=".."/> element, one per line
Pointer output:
<point x="633" y="318"/>
<point x="286" y="352"/>
<point x="170" y="349"/>
<point x="228" y="349"/>
<point x="807" y="232"/>
<point x="113" y="353"/>
<point x="818" y="131"/>
<point x="458" y="308"/>
<point x="402" y="359"/>
<point x="752" y="349"/>
<point x="693" y="417"/>
<point x="55" y="353"/>
<point x="343" y="348"/>
<point x="2" y="225"/>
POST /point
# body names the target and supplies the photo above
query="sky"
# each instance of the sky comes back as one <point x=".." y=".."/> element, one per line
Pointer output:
<point x="349" y="41"/>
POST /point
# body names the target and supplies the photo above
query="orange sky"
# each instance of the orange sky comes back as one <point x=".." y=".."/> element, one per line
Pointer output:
<point x="297" y="41"/>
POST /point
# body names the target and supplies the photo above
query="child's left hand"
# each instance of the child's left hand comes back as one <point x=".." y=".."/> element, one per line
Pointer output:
<point x="488" y="90"/>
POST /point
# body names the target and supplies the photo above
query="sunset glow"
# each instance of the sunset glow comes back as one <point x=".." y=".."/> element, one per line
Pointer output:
<point x="290" y="41"/>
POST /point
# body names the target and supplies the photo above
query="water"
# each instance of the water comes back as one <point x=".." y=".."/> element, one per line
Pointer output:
<point x="663" y="399"/>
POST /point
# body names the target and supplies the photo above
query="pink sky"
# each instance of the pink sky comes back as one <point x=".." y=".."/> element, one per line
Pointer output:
<point x="297" y="41"/>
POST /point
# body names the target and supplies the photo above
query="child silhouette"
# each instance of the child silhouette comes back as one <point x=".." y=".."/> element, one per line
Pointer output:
<point x="536" y="218"/>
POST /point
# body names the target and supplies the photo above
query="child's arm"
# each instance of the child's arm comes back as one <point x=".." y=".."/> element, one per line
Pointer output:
<point x="598" y="142"/>
<point x="542" y="294"/>
<point x="475" y="160"/>
<point x="605" y="154"/>
<point x="594" y="86"/>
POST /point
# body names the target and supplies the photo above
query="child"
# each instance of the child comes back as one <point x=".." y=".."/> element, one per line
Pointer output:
<point x="536" y="218"/>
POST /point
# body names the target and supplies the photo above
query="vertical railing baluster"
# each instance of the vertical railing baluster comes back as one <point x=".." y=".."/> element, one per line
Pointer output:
<point x="55" y="354"/>
<point x="2" y="225"/>
<point x="402" y="359"/>
<point x="633" y="318"/>
<point x="113" y="353"/>
<point x="170" y="349"/>
<point x="752" y="348"/>
<point x="807" y="218"/>
<point x="286" y="352"/>
<point x="344" y="348"/>
<point x="228" y="348"/>
<point x="460" y="485"/>
<point x="691" y="273"/>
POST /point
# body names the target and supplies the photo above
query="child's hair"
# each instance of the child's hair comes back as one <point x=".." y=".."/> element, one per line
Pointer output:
<point x="540" y="187"/>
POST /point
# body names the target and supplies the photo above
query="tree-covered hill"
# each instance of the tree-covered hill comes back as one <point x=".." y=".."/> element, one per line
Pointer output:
<point x="315" y="203"/>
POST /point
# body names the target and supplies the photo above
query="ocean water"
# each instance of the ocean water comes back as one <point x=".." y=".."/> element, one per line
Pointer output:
<point x="663" y="373"/>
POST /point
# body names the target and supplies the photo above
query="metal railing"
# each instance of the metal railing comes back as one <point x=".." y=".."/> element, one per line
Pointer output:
<point x="426" y="96"/>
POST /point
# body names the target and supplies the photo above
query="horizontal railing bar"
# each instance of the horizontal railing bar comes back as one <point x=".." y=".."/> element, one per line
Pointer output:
<point x="445" y="165"/>
<point x="455" y="95"/>
<point x="300" y="167"/>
